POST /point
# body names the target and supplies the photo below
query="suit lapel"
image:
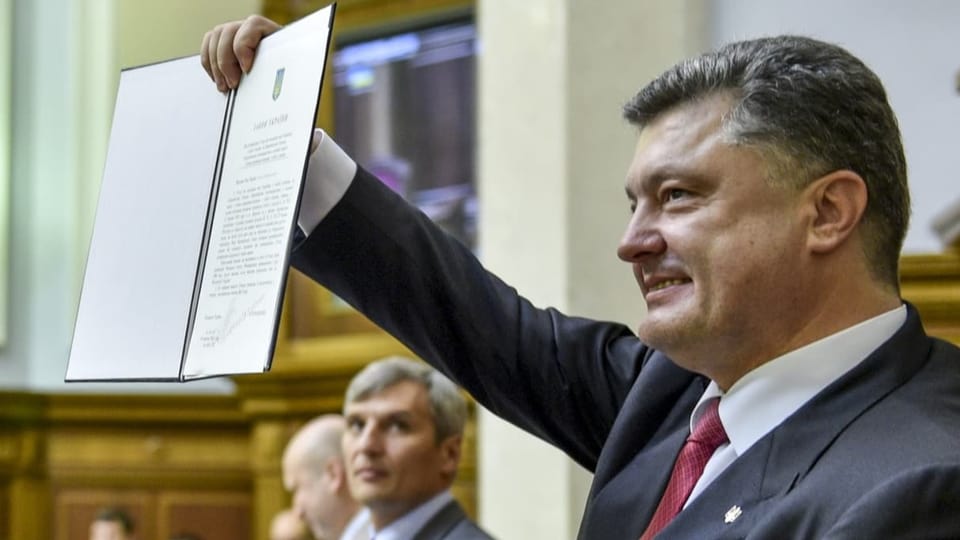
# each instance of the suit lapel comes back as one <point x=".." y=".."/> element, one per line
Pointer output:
<point x="656" y="417"/>
<point x="728" y="504"/>
<point x="780" y="460"/>
<point x="658" y="405"/>
<point x="441" y="522"/>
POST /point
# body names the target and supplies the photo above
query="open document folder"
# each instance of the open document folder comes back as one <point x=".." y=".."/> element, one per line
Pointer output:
<point x="198" y="203"/>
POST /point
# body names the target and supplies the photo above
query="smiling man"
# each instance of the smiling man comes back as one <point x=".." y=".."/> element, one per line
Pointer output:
<point x="779" y="387"/>
<point x="402" y="447"/>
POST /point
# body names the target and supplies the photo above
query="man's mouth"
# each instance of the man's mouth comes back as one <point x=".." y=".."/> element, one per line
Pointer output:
<point x="369" y="473"/>
<point x="667" y="283"/>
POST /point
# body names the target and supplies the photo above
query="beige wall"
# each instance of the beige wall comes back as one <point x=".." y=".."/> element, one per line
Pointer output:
<point x="553" y="153"/>
<point x="151" y="31"/>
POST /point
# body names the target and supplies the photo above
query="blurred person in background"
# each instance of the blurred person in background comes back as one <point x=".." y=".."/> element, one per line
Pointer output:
<point x="315" y="475"/>
<point x="111" y="523"/>
<point x="287" y="525"/>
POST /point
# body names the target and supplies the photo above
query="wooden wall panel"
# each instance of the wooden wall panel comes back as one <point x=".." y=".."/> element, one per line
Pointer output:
<point x="215" y="515"/>
<point x="165" y="454"/>
<point x="932" y="284"/>
<point x="25" y="507"/>
<point x="161" y="458"/>
<point x="74" y="510"/>
<point x="203" y="464"/>
<point x="4" y="509"/>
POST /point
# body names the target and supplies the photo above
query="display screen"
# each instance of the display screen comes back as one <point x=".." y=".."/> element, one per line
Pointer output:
<point x="405" y="109"/>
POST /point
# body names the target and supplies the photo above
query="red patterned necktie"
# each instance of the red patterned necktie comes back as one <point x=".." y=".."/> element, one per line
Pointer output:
<point x="707" y="436"/>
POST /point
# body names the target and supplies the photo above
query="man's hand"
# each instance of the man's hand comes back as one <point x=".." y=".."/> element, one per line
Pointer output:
<point x="229" y="48"/>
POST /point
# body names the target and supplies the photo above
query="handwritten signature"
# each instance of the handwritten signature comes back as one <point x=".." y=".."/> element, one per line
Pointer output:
<point x="233" y="318"/>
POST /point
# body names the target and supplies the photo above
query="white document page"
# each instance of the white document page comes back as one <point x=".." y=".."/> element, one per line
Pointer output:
<point x="142" y="264"/>
<point x="264" y="162"/>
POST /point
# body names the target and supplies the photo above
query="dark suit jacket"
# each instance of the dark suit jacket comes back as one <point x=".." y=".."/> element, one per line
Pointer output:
<point x="877" y="453"/>
<point x="451" y="523"/>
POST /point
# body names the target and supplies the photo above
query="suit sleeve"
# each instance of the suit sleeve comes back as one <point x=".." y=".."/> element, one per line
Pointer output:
<point x="561" y="378"/>
<point x="918" y="503"/>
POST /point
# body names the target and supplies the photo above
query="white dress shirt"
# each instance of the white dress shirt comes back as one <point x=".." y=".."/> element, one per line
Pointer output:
<point x="763" y="398"/>
<point x="359" y="527"/>
<point x="411" y="522"/>
<point x="329" y="174"/>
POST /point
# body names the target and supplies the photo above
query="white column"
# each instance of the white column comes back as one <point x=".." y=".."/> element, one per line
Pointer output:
<point x="6" y="40"/>
<point x="43" y="215"/>
<point x="553" y="152"/>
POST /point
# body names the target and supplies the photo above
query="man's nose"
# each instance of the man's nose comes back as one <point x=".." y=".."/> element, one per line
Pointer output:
<point x="641" y="239"/>
<point x="369" y="440"/>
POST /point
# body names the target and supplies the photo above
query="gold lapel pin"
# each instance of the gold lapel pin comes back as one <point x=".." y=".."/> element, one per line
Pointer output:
<point x="732" y="514"/>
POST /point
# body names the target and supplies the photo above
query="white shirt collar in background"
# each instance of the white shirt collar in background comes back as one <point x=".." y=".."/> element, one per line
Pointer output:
<point x="407" y="526"/>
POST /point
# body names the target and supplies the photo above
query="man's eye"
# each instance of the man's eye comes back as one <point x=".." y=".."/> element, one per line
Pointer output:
<point x="355" y="425"/>
<point x="399" y="427"/>
<point x="674" y="194"/>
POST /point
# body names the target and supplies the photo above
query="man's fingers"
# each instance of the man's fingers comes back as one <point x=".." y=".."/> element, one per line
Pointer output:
<point x="228" y="49"/>
<point x="208" y="56"/>
<point x="226" y="59"/>
<point x="253" y="29"/>
<point x="210" y="52"/>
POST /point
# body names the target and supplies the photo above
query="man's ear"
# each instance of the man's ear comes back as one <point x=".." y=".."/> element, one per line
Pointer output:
<point x="450" y="454"/>
<point x="836" y="203"/>
<point x="333" y="469"/>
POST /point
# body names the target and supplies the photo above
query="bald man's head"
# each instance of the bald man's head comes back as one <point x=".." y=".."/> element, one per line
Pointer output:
<point x="316" y="442"/>
<point x="314" y="473"/>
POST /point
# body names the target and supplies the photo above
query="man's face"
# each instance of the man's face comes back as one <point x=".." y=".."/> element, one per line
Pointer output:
<point x="716" y="249"/>
<point x="393" y="460"/>
<point x="311" y="492"/>
<point x="107" y="530"/>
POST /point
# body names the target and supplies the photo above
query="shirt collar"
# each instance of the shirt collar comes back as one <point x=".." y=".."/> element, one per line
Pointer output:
<point x="360" y="522"/>
<point x="765" y="397"/>
<point x="407" y="526"/>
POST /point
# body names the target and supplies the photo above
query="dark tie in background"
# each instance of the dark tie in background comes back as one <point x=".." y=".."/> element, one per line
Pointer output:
<point x="707" y="436"/>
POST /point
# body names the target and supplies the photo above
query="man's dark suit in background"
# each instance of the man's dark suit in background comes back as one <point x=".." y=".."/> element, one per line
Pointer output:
<point x="451" y="523"/>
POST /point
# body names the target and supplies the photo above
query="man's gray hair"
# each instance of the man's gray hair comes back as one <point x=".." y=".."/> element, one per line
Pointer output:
<point x="447" y="405"/>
